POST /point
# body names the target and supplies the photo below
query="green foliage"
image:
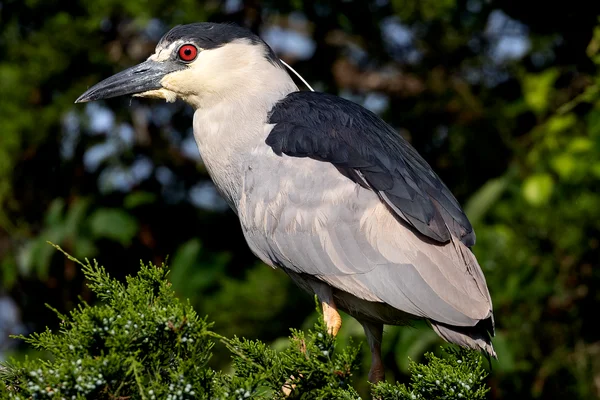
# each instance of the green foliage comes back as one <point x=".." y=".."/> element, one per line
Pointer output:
<point x="537" y="89"/>
<point x="540" y="241"/>
<point x="141" y="342"/>
<point x="459" y="376"/>
<point x="310" y="367"/>
<point x="79" y="226"/>
<point x="113" y="224"/>
<point x="517" y="140"/>
<point x="537" y="189"/>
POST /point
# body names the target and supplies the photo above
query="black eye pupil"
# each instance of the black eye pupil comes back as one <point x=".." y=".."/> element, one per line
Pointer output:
<point x="187" y="52"/>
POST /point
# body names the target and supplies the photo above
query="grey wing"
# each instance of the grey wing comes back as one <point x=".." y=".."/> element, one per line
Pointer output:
<point x="362" y="146"/>
<point x="304" y="215"/>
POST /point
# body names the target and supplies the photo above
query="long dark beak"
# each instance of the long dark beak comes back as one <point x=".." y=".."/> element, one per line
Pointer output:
<point x="141" y="78"/>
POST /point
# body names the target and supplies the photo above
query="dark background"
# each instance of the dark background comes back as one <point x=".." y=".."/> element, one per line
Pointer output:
<point x="501" y="97"/>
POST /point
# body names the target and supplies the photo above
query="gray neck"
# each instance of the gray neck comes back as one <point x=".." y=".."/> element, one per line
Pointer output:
<point x="229" y="129"/>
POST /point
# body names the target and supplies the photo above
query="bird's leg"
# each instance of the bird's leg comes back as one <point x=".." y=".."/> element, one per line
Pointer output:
<point x="333" y="321"/>
<point x="374" y="332"/>
<point x="332" y="318"/>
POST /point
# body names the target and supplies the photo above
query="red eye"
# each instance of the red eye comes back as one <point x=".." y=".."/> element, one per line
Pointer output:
<point x="188" y="52"/>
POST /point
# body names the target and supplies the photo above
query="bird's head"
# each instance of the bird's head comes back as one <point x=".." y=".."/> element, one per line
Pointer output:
<point x="194" y="62"/>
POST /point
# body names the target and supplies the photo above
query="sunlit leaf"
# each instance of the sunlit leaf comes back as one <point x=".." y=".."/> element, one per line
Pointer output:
<point x="593" y="47"/>
<point x="560" y="123"/>
<point x="564" y="165"/>
<point x="596" y="169"/>
<point x="580" y="145"/>
<point x="537" y="189"/>
<point x="537" y="88"/>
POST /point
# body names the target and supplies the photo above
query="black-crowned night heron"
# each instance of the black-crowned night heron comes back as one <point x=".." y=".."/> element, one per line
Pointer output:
<point x="323" y="188"/>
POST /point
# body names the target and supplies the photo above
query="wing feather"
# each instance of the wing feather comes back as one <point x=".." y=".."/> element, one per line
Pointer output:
<point x="341" y="233"/>
<point x="363" y="147"/>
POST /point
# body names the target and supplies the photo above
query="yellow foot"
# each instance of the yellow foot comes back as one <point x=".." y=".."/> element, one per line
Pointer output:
<point x="333" y="321"/>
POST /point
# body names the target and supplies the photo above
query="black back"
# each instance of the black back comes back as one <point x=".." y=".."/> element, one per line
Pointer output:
<point x="370" y="152"/>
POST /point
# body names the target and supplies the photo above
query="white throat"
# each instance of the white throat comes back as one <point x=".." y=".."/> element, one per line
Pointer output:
<point x="229" y="126"/>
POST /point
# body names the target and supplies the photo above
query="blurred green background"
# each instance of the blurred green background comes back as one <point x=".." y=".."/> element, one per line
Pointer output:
<point x="501" y="97"/>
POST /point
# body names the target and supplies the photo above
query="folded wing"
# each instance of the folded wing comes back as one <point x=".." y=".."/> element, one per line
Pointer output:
<point x="368" y="151"/>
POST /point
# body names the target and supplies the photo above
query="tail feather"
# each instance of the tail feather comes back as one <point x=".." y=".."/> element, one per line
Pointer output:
<point x="476" y="337"/>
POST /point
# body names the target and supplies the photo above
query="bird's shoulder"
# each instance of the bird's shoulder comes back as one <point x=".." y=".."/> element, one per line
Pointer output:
<point x="367" y="150"/>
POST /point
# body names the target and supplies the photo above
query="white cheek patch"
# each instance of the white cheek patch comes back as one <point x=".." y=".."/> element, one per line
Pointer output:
<point x="177" y="81"/>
